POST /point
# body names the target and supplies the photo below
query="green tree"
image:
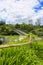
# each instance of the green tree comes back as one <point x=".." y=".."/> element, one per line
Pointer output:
<point x="30" y="21"/>
<point x="38" y="22"/>
<point x="2" y="23"/>
<point x="17" y="26"/>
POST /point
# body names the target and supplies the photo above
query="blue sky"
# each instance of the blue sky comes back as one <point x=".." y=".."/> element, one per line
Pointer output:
<point x="18" y="11"/>
<point x="40" y="6"/>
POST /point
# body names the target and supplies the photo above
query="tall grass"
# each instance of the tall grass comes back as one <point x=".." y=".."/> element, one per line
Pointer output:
<point x="31" y="54"/>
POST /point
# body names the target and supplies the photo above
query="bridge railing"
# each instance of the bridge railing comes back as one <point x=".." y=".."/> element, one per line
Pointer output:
<point x="19" y="32"/>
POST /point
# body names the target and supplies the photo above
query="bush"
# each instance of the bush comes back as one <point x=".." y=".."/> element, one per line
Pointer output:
<point x="2" y="40"/>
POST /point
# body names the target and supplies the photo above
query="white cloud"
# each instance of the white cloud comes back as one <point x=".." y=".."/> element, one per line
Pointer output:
<point x="38" y="15"/>
<point x="9" y="9"/>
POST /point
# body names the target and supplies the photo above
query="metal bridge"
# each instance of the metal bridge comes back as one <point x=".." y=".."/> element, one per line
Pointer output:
<point x="20" y="32"/>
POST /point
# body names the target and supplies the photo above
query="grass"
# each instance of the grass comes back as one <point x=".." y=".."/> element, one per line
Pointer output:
<point x="25" y="55"/>
<point x="30" y="54"/>
<point x="16" y="39"/>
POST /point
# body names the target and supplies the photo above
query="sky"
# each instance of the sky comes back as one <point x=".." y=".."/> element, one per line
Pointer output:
<point x="18" y="11"/>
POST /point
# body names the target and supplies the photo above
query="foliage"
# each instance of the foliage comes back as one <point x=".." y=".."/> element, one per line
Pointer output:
<point x="8" y="29"/>
<point x="25" y="55"/>
<point x="2" y="39"/>
<point x="38" y="31"/>
<point x="2" y="23"/>
<point x="30" y="54"/>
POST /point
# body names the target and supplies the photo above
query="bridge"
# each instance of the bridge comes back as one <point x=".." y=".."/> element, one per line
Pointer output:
<point x="19" y="32"/>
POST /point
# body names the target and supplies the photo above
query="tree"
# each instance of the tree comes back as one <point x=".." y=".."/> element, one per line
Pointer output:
<point x="17" y="26"/>
<point x="38" y="22"/>
<point x="23" y="26"/>
<point x="2" y="23"/>
<point x="30" y="21"/>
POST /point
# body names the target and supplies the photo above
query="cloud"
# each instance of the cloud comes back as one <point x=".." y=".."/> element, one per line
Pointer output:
<point x="13" y="10"/>
<point x="39" y="12"/>
<point x="38" y="15"/>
